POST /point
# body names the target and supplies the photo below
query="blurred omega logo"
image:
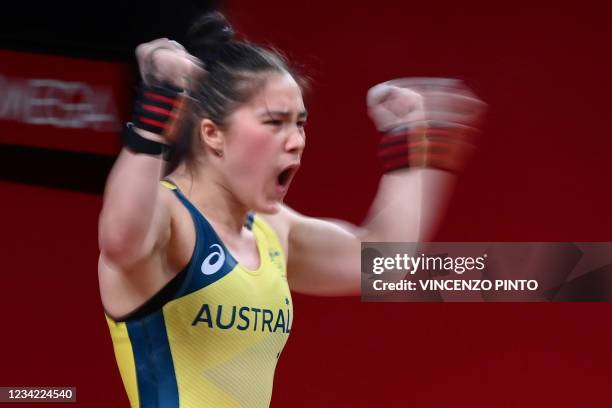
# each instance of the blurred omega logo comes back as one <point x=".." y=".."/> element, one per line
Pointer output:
<point x="63" y="104"/>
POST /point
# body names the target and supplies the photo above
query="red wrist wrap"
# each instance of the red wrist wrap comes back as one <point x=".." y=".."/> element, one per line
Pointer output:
<point x="444" y="148"/>
<point x="157" y="109"/>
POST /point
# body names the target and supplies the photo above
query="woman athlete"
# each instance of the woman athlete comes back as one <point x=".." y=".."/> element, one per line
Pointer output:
<point x="195" y="270"/>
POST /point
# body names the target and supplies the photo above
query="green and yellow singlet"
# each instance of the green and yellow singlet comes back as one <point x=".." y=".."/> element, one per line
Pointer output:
<point x="212" y="336"/>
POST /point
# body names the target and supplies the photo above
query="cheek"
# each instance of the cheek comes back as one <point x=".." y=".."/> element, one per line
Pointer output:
<point x="253" y="145"/>
<point x="252" y="152"/>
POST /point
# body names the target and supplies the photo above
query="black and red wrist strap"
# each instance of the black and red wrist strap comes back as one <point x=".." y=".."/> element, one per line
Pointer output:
<point x="157" y="107"/>
<point x="138" y="144"/>
<point x="426" y="147"/>
<point x="156" y="110"/>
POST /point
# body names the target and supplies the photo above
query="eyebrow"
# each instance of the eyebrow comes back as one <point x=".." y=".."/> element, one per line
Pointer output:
<point x="284" y="114"/>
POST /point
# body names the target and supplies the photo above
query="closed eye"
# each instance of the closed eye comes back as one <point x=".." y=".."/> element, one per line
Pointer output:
<point x="301" y="123"/>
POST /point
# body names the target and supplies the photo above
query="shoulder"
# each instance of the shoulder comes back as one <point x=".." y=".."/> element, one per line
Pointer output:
<point x="181" y="234"/>
<point x="283" y="220"/>
<point x="125" y="288"/>
<point x="281" y="223"/>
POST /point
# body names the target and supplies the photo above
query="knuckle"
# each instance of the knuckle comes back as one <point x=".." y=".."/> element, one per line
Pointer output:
<point x="140" y="49"/>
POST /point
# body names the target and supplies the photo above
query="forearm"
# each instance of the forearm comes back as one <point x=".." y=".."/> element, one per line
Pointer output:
<point x="130" y="204"/>
<point x="324" y="256"/>
<point x="408" y="206"/>
<point x="426" y="139"/>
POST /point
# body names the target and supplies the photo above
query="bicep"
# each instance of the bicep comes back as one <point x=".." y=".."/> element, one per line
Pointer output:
<point x="323" y="257"/>
<point x="127" y="251"/>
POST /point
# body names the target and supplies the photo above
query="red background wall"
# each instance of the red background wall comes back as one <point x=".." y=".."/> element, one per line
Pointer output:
<point x="541" y="173"/>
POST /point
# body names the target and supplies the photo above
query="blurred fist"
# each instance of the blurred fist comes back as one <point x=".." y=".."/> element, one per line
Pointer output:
<point x="392" y="107"/>
<point x="443" y="102"/>
<point x="426" y="122"/>
<point x="163" y="60"/>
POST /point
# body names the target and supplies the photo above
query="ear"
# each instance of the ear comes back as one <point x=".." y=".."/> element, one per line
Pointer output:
<point x="212" y="137"/>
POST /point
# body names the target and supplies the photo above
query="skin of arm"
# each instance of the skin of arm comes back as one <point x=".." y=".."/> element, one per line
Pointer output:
<point x="324" y="255"/>
<point x="133" y="220"/>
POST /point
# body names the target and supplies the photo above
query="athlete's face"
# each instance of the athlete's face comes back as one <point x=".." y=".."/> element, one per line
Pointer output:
<point x="264" y="144"/>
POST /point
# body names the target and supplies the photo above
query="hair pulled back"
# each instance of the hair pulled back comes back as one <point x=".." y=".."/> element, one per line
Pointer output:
<point x="235" y="71"/>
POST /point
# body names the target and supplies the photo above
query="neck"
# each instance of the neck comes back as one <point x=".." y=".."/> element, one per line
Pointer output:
<point x="206" y="190"/>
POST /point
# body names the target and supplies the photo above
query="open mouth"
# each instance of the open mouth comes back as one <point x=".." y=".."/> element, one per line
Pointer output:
<point x="285" y="176"/>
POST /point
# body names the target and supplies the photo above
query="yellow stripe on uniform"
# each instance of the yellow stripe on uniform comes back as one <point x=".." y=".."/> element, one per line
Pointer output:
<point x="125" y="359"/>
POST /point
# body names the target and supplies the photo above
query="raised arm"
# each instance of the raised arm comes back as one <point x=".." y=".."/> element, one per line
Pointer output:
<point x="427" y="134"/>
<point x="135" y="218"/>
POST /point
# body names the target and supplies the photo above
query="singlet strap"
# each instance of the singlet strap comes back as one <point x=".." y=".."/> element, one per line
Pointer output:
<point x="210" y="260"/>
<point x="272" y="240"/>
<point x="168" y="184"/>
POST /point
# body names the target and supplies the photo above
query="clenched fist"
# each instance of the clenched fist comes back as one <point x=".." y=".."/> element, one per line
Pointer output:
<point x="166" y="61"/>
<point x="427" y="122"/>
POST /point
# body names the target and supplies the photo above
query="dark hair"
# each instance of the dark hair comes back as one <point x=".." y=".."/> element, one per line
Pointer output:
<point x="234" y="71"/>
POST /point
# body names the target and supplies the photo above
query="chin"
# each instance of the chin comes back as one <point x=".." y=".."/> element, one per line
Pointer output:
<point x="268" y="208"/>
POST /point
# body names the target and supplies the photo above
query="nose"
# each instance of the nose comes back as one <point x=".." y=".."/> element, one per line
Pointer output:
<point x="296" y="141"/>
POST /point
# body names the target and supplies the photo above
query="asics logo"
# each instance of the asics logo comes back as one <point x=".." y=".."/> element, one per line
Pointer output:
<point x="209" y="268"/>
